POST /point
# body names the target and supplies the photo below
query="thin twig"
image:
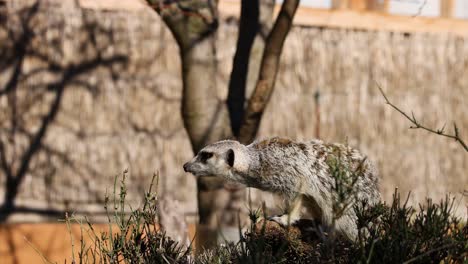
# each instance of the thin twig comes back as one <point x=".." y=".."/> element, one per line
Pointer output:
<point x="44" y="259"/>
<point x="428" y="253"/>
<point x="67" y="221"/>
<point x="417" y="124"/>
<point x="420" y="9"/>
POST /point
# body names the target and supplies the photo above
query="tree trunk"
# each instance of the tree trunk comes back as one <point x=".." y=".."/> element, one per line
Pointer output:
<point x="206" y="119"/>
<point x="204" y="114"/>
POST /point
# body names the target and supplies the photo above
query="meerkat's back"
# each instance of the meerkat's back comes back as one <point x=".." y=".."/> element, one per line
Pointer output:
<point x="303" y="173"/>
<point x="311" y="161"/>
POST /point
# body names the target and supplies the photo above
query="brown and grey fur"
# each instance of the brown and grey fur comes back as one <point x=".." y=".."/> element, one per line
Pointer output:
<point x="299" y="171"/>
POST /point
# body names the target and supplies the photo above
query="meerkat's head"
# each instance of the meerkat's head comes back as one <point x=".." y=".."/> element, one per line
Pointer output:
<point x="225" y="159"/>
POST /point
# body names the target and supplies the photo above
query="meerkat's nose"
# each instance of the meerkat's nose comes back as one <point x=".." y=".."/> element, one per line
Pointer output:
<point x="186" y="165"/>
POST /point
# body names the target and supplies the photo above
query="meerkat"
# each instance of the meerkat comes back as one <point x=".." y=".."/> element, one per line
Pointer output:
<point x="298" y="171"/>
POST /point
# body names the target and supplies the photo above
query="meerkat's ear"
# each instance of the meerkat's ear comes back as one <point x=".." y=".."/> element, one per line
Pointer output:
<point x="230" y="157"/>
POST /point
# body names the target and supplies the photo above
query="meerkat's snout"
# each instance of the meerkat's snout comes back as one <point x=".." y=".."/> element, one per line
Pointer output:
<point x="191" y="167"/>
<point x="186" y="167"/>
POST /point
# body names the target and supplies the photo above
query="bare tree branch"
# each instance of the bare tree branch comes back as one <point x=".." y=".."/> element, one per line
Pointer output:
<point x="420" y="8"/>
<point x="417" y="124"/>
<point x="248" y="27"/>
<point x="256" y="21"/>
<point x="268" y="71"/>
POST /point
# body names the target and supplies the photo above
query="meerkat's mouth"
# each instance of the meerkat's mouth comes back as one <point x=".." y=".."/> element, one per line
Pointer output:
<point x="195" y="169"/>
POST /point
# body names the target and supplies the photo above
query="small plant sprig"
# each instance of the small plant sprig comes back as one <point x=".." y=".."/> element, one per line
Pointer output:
<point x="138" y="238"/>
<point x="345" y="179"/>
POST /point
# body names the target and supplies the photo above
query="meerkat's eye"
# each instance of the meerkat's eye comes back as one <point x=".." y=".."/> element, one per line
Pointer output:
<point x="230" y="157"/>
<point x="204" y="156"/>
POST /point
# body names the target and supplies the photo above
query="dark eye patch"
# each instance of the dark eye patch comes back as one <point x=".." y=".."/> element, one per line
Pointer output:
<point x="204" y="156"/>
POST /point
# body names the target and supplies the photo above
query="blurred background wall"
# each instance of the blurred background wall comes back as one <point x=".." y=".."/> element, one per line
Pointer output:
<point x="110" y="78"/>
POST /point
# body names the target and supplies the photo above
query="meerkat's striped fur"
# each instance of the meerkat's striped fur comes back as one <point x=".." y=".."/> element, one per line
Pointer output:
<point x="299" y="171"/>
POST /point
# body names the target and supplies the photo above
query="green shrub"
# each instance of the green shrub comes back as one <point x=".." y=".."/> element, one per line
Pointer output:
<point x="138" y="238"/>
<point x="389" y="234"/>
<point x="399" y="234"/>
<point x="395" y="233"/>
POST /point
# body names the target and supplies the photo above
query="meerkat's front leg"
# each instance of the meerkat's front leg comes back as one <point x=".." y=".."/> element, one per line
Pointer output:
<point x="294" y="213"/>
